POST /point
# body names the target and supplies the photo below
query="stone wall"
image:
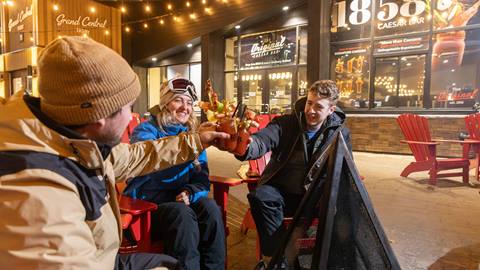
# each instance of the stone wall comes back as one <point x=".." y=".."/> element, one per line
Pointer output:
<point x="381" y="133"/>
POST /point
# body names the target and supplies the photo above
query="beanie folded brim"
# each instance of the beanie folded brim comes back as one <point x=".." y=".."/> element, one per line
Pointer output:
<point x="97" y="108"/>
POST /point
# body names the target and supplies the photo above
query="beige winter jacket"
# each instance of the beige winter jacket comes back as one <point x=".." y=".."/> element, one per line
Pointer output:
<point x="58" y="207"/>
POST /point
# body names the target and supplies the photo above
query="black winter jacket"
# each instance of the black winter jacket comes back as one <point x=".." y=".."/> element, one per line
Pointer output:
<point x="282" y="134"/>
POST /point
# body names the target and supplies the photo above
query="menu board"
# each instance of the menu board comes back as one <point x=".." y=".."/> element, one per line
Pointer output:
<point x="350" y="66"/>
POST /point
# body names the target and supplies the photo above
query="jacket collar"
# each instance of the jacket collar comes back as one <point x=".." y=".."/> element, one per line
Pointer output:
<point x="34" y="104"/>
<point x="27" y="130"/>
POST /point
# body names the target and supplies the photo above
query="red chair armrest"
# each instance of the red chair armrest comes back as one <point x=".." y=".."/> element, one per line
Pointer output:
<point x="226" y="181"/>
<point x="135" y="206"/>
<point x="418" y="142"/>
<point x="126" y="219"/>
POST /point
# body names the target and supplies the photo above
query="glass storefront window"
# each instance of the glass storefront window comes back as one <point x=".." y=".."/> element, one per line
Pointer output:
<point x="455" y="69"/>
<point x="385" y="83"/>
<point x="231" y="54"/>
<point x="399" y="16"/>
<point x="231" y="89"/>
<point x="350" y="71"/>
<point x="455" y="13"/>
<point x="303" y="34"/>
<point x="178" y="71"/>
<point x="302" y="82"/>
<point x="399" y="81"/>
<point x="252" y="89"/>
<point x="350" y="19"/>
<point x="280" y="96"/>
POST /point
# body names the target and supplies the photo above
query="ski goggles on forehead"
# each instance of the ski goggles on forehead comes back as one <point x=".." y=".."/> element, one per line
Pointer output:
<point x="183" y="86"/>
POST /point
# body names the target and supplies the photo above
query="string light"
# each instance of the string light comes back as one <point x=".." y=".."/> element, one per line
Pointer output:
<point x="55" y="7"/>
<point x="187" y="4"/>
<point x="127" y="29"/>
<point x="145" y="25"/>
<point x="162" y="22"/>
<point x="193" y="16"/>
<point x="204" y="2"/>
<point x="147" y="8"/>
<point x="123" y="9"/>
<point x="93" y="9"/>
<point x="208" y="10"/>
<point x="169" y="7"/>
<point x="107" y="32"/>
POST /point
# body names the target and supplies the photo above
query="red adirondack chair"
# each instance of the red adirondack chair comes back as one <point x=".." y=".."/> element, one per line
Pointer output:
<point x="417" y="136"/>
<point x="472" y="123"/>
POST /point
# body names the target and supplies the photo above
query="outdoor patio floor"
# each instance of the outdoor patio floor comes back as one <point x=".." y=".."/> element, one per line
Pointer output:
<point x="428" y="227"/>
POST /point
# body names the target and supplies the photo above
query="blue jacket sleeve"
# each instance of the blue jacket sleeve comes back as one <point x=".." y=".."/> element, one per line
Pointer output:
<point x="199" y="185"/>
<point x="144" y="132"/>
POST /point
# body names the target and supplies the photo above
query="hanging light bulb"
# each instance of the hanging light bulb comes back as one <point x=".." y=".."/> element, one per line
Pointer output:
<point x="187" y="4"/>
<point x="123" y="9"/>
<point x="193" y="16"/>
<point x="169" y="7"/>
<point x="208" y="10"/>
<point x="204" y="2"/>
<point x="55" y="7"/>
<point x="93" y="9"/>
<point x="145" y="25"/>
<point x="127" y="29"/>
<point x="107" y="32"/>
<point x="162" y="22"/>
<point x="148" y="8"/>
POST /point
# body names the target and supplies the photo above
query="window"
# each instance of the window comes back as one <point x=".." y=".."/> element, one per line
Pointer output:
<point x="350" y="19"/>
<point x="399" y="16"/>
<point x="302" y="82"/>
<point x="408" y="39"/>
<point x="231" y="89"/>
<point x="455" y="13"/>
<point x="399" y="81"/>
<point x="302" y="52"/>
<point x="231" y="54"/>
<point x="350" y="69"/>
<point x="455" y="69"/>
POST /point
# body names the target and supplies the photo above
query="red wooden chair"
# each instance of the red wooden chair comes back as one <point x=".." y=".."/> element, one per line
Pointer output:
<point x="134" y="122"/>
<point x="417" y="136"/>
<point x="472" y="123"/>
<point x="136" y="224"/>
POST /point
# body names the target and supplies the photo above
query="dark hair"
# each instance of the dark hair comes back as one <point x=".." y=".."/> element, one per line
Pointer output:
<point x="325" y="89"/>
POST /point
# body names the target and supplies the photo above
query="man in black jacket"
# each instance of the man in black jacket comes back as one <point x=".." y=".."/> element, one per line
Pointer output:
<point x="295" y="140"/>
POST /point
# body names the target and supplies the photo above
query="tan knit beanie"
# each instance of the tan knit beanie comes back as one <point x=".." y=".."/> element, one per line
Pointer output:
<point x="81" y="81"/>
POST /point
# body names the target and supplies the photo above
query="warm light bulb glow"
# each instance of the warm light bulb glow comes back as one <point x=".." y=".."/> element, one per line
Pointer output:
<point x="93" y="9"/>
<point x="161" y="21"/>
<point x="9" y="3"/>
<point x="208" y="10"/>
<point x="193" y="16"/>
<point x="187" y="4"/>
<point x="204" y="2"/>
<point x="169" y="7"/>
<point x="148" y="8"/>
<point x="55" y="7"/>
<point x="107" y="32"/>
<point x="285" y="8"/>
<point x="145" y="25"/>
<point x="123" y="9"/>
<point x="85" y="35"/>
<point x="127" y="29"/>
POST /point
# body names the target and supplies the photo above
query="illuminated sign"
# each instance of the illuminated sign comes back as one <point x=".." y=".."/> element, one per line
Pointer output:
<point x="268" y="49"/>
<point x="19" y="18"/>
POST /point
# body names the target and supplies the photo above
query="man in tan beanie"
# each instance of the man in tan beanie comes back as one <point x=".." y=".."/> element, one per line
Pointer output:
<point x="60" y="158"/>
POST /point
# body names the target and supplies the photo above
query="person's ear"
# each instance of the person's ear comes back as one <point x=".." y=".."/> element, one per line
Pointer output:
<point x="331" y="109"/>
